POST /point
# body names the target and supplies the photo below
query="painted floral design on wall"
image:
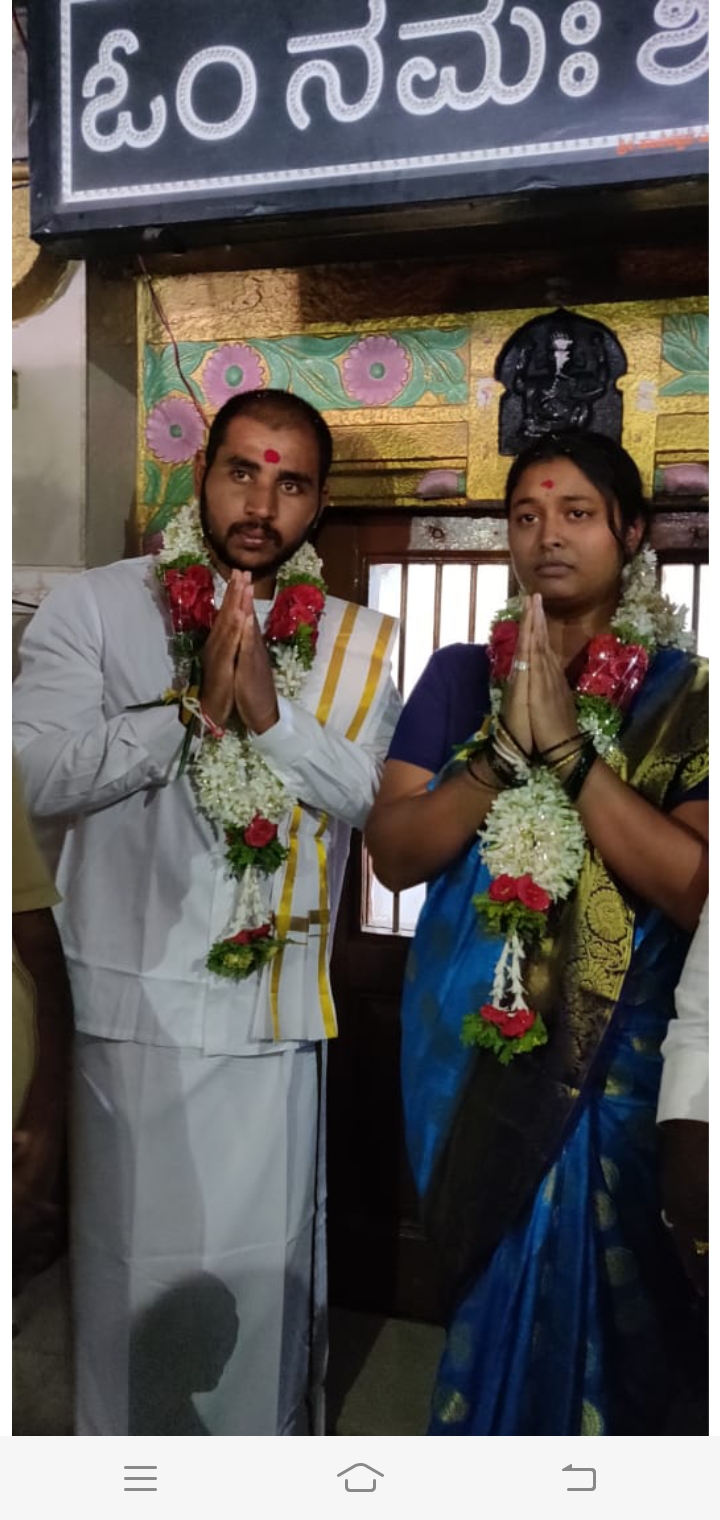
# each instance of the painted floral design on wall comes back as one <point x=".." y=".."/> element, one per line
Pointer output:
<point x="174" y="430"/>
<point x="234" y="367"/>
<point x="342" y="372"/>
<point x="376" y="370"/>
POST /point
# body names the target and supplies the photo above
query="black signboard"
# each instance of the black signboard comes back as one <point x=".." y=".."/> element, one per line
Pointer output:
<point x="150" y="113"/>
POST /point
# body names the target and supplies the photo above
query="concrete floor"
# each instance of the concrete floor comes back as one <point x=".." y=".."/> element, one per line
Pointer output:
<point x="380" y="1375"/>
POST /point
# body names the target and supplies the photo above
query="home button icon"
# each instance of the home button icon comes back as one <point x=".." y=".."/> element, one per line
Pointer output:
<point x="365" y="1479"/>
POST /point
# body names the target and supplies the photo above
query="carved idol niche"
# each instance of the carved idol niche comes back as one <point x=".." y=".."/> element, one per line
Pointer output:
<point x="559" y="372"/>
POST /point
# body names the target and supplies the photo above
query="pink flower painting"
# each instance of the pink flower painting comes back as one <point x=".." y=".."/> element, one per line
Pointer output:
<point x="375" y="370"/>
<point x="233" y="368"/>
<point x="174" y="430"/>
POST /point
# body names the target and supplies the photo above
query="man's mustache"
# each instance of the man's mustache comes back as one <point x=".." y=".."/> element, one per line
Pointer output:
<point x="256" y="527"/>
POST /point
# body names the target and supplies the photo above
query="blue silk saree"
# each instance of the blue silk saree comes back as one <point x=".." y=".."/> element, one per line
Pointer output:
<point x="538" y="1180"/>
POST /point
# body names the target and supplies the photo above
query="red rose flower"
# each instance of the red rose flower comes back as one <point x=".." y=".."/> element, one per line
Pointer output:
<point x="512" y="1025"/>
<point x="613" y="670"/>
<point x="491" y="1014"/>
<point x="247" y="935"/>
<point x="190" y="596"/>
<point x="516" y="1024"/>
<point x="503" y="889"/>
<point x="294" y="607"/>
<point x="501" y="650"/>
<point x="531" y="895"/>
<point x="260" y="832"/>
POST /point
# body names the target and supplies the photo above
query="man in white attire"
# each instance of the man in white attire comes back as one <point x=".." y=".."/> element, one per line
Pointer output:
<point x="199" y="1171"/>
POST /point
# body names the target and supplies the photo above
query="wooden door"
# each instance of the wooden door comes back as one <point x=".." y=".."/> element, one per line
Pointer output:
<point x="379" y="1259"/>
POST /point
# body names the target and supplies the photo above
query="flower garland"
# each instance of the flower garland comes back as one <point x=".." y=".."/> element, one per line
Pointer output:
<point x="532" y="840"/>
<point x="234" y="786"/>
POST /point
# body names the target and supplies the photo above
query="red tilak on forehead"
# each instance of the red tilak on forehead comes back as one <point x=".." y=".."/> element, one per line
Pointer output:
<point x="548" y="484"/>
<point x="272" y="456"/>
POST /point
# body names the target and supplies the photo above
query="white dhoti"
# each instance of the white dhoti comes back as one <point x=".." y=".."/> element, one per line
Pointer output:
<point x="199" y="1241"/>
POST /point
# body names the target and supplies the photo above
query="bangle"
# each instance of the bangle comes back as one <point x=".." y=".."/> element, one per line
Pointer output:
<point x="561" y="745"/>
<point x="555" y="766"/>
<point x="574" y="783"/>
<point x="515" y="743"/>
<point x="504" y="770"/>
<point x="505" y="758"/>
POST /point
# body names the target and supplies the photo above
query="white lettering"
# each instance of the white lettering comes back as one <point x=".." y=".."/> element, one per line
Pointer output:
<point x="108" y="68"/>
<point x="491" y="87"/>
<point x="216" y="131"/>
<point x="362" y="37"/>
<point x="578" y="74"/>
<point x="688" y="22"/>
<point x="581" y="22"/>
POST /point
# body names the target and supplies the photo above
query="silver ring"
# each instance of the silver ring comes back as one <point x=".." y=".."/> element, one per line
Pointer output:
<point x="668" y="1223"/>
<point x="521" y="665"/>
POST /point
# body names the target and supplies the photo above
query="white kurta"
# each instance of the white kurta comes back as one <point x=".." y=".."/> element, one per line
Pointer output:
<point x="685" y="1083"/>
<point x="192" y="1156"/>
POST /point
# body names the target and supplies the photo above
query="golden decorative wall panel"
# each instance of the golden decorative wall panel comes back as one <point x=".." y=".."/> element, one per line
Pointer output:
<point x="406" y="397"/>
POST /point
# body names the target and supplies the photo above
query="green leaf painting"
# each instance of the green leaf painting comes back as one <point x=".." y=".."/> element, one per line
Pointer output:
<point x="344" y="372"/>
<point x="161" y="371"/>
<point x="685" y="346"/>
<point x="165" y="490"/>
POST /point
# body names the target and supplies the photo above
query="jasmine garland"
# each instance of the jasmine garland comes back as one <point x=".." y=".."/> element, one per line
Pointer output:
<point x="532" y="840"/>
<point x="235" y="789"/>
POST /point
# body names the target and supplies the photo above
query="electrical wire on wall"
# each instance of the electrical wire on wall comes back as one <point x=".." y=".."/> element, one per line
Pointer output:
<point x="154" y="297"/>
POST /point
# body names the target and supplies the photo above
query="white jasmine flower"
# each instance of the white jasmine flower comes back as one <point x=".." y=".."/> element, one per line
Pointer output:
<point x="534" y="830"/>
<point x="232" y="781"/>
<point x="183" y="535"/>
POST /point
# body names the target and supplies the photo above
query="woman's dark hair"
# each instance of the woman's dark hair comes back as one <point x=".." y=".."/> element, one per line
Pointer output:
<point x="280" y="406"/>
<point x="606" y="464"/>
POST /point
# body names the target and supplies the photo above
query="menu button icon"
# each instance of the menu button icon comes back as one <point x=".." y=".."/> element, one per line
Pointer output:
<point x="140" y="1479"/>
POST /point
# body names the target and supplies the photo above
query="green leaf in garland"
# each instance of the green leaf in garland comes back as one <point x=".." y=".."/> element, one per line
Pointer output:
<point x="229" y="958"/>
<point x="505" y="918"/>
<point x="478" y="1032"/>
<point x="240" y="855"/>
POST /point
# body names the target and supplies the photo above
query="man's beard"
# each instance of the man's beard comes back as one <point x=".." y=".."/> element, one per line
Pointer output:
<point x="223" y="553"/>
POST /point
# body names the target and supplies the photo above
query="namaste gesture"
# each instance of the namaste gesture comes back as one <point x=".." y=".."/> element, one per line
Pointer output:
<point x="538" y="707"/>
<point x="237" y="673"/>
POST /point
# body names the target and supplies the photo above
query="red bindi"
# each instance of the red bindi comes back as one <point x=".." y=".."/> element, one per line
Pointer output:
<point x="548" y="484"/>
<point x="272" y="456"/>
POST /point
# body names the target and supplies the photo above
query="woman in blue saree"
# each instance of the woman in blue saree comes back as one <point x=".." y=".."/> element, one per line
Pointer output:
<point x="536" y="1167"/>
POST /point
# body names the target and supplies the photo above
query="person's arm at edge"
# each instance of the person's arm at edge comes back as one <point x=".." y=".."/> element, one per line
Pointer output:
<point x="684" y="1110"/>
